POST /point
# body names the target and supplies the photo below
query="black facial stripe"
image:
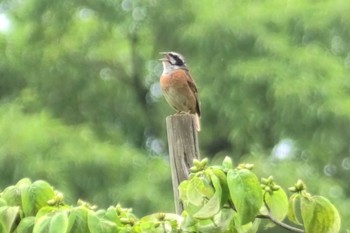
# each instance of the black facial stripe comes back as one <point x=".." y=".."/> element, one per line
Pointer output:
<point x="178" y="61"/>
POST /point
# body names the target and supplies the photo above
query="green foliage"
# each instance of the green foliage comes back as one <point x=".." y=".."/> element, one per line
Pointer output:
<point x="267" y="71"/>
<point x="35" y="196"/>
<point x="87" y="64"/>
<point x="49" y="213"/>
<point x="8" y="216"/>
<point x="215" y="198"/>
<point x="38" y="146"/>
<point x="245" y="194"/>
<point x="275" y="198"/>
<point x="317" y="213"/>
<point x="210" y="209"/>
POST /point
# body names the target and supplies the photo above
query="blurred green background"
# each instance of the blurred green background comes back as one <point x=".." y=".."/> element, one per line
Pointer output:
<point x="80" y="104"/>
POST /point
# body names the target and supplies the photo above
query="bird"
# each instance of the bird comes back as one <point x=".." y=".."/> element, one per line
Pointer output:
<point x="178" y="86"/>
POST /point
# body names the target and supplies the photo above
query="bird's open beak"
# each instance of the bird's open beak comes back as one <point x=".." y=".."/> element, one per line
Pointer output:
<point x="165" y="58"/>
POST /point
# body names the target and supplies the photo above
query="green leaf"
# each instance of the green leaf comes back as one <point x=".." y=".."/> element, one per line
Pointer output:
<point x="42" y="224"/>
<point x="111" y="214"/>
<point x="254" y="227"/>
<point x="46" y="210"/>
<point x="26" y="225"/>
<point x="71" y="221"/>
<point x="22" y="183"/>
<point x="97" y="224"/>
<point x="183" y="187"/>
<point x="213" y="206"/>
<point x="206" y="226"/>
<point x="3" y="202"/>
<point x="251" y="227"/>
<point x="277" y="202"/>
<point x="188" y="223"/>
<point x="319" y="215"/>
<point x="12" y="196"/>
<point x="94" y="222"/>
<point x="52" y="222"/>
<point x="8" y="216"/>
<point x="36" y="196"/>
<point x="223" y="184"/>
<point x="199" y="187"/>
<point x="224" y="218"/>
<point x="59" y="222"/>
<point x="245" y="193"/>
<point x="292" y="212"/>
<point x="194" y="192"/>
<point x="77" y="220"/>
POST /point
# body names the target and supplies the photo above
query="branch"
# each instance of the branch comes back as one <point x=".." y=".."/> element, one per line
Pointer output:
<point x="275" y="221"/>
<point x="281" y="224"/>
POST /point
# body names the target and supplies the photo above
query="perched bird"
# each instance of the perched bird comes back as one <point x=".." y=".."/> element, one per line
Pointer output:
<point x="178" y="87"/>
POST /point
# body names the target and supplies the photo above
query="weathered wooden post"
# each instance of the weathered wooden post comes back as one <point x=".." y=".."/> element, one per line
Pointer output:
<point x="183" y="148"/>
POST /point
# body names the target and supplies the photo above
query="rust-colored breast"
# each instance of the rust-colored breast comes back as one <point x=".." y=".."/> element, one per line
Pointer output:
<point x="180" y="91"/>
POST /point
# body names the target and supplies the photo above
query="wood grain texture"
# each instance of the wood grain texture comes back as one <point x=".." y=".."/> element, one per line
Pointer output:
<point x="183" y="148"/>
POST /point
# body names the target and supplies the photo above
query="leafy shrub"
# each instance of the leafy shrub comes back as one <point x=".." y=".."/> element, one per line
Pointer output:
<point x="215" y="199"/>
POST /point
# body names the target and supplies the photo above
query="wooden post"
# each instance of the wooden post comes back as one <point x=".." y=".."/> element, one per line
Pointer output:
<point x="183" y="148"/>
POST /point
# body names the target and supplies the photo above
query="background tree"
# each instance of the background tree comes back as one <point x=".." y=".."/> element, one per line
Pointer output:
<point x="272" y="78"/>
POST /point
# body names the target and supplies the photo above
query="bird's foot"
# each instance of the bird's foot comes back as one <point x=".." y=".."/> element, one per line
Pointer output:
<point x="181" y="113"/>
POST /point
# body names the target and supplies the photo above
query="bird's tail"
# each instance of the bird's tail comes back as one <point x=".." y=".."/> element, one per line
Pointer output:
<point x="197" y="122"/>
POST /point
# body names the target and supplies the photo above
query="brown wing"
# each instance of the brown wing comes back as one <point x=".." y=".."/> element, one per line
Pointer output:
<point x="193" y="87"/>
